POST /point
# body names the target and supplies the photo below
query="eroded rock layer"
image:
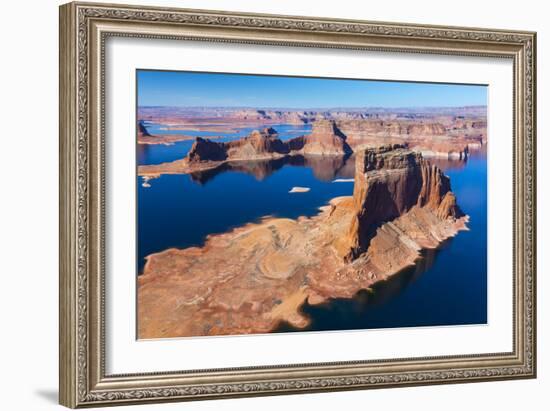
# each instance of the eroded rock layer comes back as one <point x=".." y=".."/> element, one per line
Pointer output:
<point x="325" y="139"/>
<point x="250" y="279"/>
<point x="389" y="181"/>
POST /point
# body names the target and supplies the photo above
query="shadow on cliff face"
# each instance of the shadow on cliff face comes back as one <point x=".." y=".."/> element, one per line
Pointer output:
<point x="353" y="313"/>
<point x="383" y="199"/>
<point x="325" y="168"/>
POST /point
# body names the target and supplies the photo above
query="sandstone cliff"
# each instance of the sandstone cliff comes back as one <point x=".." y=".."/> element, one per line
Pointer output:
<point x="389" y="181"/>
<point x="258" y="145"/>
<point x="425" y="129"/>
<point x="326" y="139"/>
<point x="431" y="138"/>
<point x="206" y="154"/>
<point x="250" y="279"/>
<point x="357" y="130"/>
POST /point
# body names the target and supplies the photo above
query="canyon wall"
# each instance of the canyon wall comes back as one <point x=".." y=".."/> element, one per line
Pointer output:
<point x="326" y="138"/>
<point x="389" y="181"/>
<point x="358" y="130"/>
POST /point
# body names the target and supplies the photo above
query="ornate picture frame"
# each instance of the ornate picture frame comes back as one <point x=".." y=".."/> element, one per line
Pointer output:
<point x="84" y="28"/>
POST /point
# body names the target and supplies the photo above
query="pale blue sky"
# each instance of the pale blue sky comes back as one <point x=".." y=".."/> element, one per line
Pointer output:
<point x="178" y="88"/>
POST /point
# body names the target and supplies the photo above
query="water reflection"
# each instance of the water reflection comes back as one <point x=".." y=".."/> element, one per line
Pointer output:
<point x="324" y="168"/>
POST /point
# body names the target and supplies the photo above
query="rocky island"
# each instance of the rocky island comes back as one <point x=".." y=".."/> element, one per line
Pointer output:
<point x="254" y="277"/>
<point x="327" y="138"/>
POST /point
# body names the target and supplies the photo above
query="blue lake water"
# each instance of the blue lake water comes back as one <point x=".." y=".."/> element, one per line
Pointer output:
<point x="181" y="210"/>
<point x="448" y="286"/>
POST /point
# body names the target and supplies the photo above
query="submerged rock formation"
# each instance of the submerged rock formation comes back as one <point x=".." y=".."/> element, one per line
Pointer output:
<point x="250" y="279"/>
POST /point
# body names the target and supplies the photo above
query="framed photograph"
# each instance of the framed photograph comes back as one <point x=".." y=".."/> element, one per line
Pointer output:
<point x="259" y="204"/>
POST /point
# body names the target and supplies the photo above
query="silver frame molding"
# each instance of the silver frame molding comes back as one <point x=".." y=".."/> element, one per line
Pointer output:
<point x="84" y="27"/>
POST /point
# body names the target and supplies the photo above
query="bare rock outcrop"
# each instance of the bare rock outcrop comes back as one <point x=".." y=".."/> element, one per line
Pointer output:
<point x="257" y="145"/>
<point x="265" y="144"/>
<point x="431" y="138"/>
<point x="425" y="129"/>
<point x="206" y="150"/>
<point x="253" y="277"/>
<point x="361" y="129"/>
<point x="206" y="154"/>
<point x="326" y="139"/>
<point x="390" y="181"/>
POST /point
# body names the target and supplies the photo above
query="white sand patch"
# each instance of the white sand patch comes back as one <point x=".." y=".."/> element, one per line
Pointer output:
<point x="344" y="180"/>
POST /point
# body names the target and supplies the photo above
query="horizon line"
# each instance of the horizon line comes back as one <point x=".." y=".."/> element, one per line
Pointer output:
<point x="319" y="108"/>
